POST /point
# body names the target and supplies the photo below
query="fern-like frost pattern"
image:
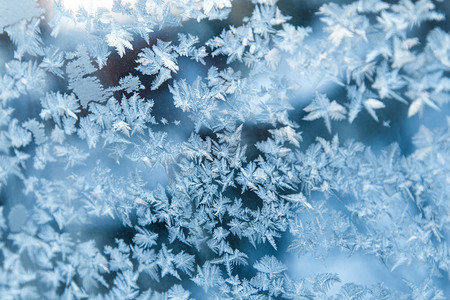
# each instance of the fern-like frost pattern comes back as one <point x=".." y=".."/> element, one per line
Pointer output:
<point x="219" y="149"/>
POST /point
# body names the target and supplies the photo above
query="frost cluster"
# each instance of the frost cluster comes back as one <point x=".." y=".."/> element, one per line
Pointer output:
<point x="219" y="149"/>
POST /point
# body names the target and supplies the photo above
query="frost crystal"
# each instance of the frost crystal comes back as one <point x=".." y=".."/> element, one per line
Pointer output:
<point x="172" y="149"/>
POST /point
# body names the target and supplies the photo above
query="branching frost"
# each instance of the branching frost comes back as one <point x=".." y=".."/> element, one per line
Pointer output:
<point x="143" y="158"/>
